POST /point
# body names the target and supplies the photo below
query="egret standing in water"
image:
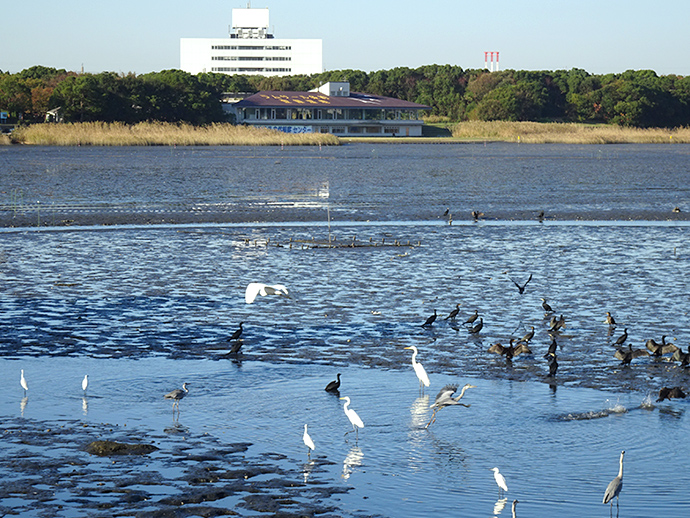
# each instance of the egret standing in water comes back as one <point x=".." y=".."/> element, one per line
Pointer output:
<point x="614" y="488"/>
<point x="177" y="395"/>
<point x="419" y="369"/>
<point x="352" y="416"/>
<point x="85" y="383"/>
<point x="445" y="398"/>
<point x="500" y="481"/>
<point x="308" y="442"/>
<point x="23" y="383"/>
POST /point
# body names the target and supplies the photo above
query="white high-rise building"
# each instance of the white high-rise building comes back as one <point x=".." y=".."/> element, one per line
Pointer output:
<point x="251" y="50"/>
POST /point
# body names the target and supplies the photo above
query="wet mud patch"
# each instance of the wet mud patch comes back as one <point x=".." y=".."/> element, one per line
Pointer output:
<point x="49" y="468"/>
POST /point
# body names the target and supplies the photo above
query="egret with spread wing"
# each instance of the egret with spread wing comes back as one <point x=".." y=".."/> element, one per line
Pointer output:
<point x="258" y="288"/>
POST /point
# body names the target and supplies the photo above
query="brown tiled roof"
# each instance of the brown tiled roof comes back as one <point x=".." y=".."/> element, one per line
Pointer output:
<point x="317" y="99"/>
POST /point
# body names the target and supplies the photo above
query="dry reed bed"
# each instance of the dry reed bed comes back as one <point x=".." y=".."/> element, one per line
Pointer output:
<point x="568" y="133"/>
<point x="5" y="140"/>
<point x="162" y="134"/>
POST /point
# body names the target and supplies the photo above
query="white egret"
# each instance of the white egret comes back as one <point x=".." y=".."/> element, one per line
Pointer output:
<point x="85" y="383"/>
<point x="614" y="488"/>
<point x="352" y="416"/>
<point x="419" y="369"/>
<point x="500" y="481"/>
<point x="445" y="398"/>
<point x="308" y="442"/>
<point x="258" y="288"/>
<point x="23" y="383"/>
<point x="177" y="395"/>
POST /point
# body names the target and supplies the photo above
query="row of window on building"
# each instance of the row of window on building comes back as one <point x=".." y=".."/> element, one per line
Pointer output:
<point x="250" y="58"/>
<point x="327" y="114"/>
<point x="251" y="47"/>
<point x="249" y="70"/>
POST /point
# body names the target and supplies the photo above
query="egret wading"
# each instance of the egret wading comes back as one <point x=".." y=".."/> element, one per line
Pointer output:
<point x="85" y="383"/>
<point x="352" y="416"/>
<point x="308" y="442"/>
<point x="419" y="369"/>
<point x="177" y="395"/>
<point x="614" y="488"/>
<point x="23" y="383"/>
<point x="500" y="481"/>
<point x="445" y="398"/>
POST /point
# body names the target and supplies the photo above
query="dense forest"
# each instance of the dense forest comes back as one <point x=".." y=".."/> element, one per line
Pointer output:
<point x="638" y="98"/>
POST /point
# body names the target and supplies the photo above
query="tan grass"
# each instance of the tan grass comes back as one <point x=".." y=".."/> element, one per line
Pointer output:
<point x="567" y="133"/>
<point x="162" y="134"/>
<point x="5" y="140"/>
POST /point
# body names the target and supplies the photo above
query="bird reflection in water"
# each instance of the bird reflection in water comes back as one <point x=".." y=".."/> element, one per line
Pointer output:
<point x="84" y="405"/>
<point x="176" y="428"/>
<point x="419" y="410"/>
<point x="352" y="460"/>
<point x="22" y="405"/>
<point x="307" y="468"/>
<point x="500" y="505"/>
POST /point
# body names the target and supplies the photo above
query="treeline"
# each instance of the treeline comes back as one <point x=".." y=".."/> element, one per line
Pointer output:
<point x="637" y="98"/>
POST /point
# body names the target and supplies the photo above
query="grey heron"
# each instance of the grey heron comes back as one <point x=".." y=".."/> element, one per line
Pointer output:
<point x="614" y="488"/>
<point x="352" y="416"/>
<point x="500" y="481"/>
<point x="334" y="385"/>
<point x="177" y="395"/>
<point x="419" y="369"/>
<point x="258" y="288"/>
<point x="308" y="442"/>
<point x="445" y="398"/>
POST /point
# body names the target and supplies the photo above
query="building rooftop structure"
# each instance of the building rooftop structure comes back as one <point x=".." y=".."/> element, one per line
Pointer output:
<point x="331" y="108"/>
<point x="251" y="50"/>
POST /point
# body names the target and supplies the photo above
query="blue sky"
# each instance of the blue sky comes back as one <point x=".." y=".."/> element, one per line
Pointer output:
<point x="143" y="36"/>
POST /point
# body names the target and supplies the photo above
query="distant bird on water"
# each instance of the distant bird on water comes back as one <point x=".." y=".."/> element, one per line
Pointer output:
<point x="680" y="356"/>
<point x="500" y="481"/>
<point x="476" y="215"/>
<point x="429" y="321"/>
<point x="419" y="369"/>
<point x="85" y="383"/>
<point x="553" y="365"/>
<point x="547" y="307"/>
<point x="355" y="420"/>
<point x="669" y="393"/>
<point x="445" y="398"/>
<point x="23" y="383"/>
<point x="177" y="395"/>
<point x="521" y="289"/>
<point x="658" y="349"/>
<point x="258" y="288"/>
<point x="622" y="338"/>
<point x="472" y="318"/>
<point x="453" y="313"/>
<point x="511" y="350"/>
<point x="308" y="442"/>
<point x="236" y="335"/>
<point x="334" y="385"/>
<point x="552" y="348"/>
<point x="614" y="488"/>
<point x="477" y="327"/>
<point x="610" y="320"/>
<point x="526" y="339"/>
<point x="627" y="356"/>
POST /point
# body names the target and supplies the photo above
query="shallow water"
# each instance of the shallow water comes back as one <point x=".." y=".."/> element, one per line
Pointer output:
<point x="142" y="309"/>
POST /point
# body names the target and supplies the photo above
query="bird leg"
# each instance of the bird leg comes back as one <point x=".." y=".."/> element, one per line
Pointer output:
<point x="433" y="418"/>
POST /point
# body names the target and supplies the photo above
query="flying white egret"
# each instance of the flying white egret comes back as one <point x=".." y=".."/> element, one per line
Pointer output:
<point x="500" y="481"/>
<point x="614" y="488"/>
<point x="258" y="288"/>
<point x="85" y="383"/>
<point x="445" y="398"/>
<point x="308" y="442"/>
<point x="23" y="383"/>
<point x="419" y="369"/>
<point x="177" y="395"/>
<point x="352" y="416"/>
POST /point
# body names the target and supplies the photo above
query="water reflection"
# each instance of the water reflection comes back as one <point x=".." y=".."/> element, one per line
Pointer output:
<point x="352" y="461"/>
<point x="176" y="428"/>
<point x="84" y="405"/>
<point x="22" y="405"/>
<point x="500" y="505"/>
<point x="419" y="411"/>
<point x="307" y="468"/>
